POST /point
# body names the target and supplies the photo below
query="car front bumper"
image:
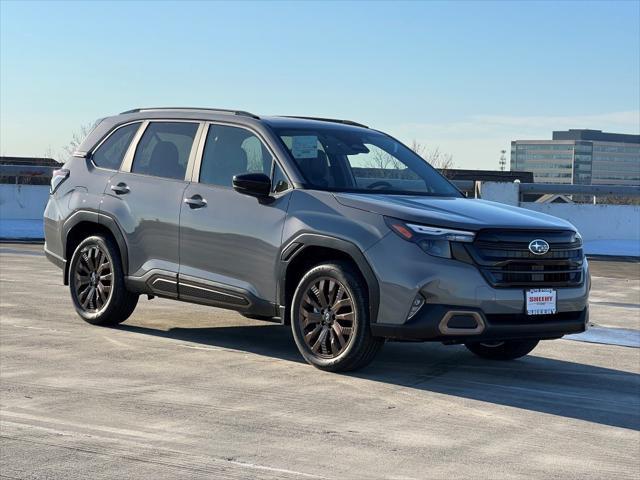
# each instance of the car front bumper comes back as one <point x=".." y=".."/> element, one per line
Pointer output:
<point x="453" y="288"/>
<point x="451" y="324"/>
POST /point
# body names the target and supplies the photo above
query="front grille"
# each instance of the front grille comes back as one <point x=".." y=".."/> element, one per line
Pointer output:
<point x="504" y="258"/>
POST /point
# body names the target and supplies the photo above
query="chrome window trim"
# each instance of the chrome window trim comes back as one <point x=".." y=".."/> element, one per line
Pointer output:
<point x="197" y="140"/>
<point x="127" y="164"/>
<point x="97" y="147"/>
<point x="195" y="177"/>
<point x="128" y="158"/>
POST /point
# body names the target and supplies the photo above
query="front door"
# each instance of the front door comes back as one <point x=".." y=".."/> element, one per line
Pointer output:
<point x="229" y="242"/>
<point x="146" y="197"/>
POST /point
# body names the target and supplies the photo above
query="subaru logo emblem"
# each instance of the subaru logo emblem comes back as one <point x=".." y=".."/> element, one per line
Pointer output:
<point x="538" y="247"/>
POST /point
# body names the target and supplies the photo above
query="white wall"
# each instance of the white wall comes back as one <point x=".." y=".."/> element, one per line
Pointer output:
<point x="596" y="222"/>
<point x="502" y="192"/>
<point x="23" y="202"/>
<point x="605" y="229"/>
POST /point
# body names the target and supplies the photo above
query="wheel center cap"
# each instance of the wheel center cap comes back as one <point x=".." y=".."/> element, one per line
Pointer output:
<point x="93" y="277"/>
<point x="326" y="316"/>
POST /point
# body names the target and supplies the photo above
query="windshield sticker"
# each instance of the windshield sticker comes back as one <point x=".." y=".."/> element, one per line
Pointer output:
<point x="305" y="146"/>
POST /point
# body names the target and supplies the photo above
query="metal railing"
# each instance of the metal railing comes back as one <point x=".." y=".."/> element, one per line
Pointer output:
<point x="593" y="190"/>
<point x="468" y="187"/>
<point x="472" y="189"/>
<point x="26" y="174"/>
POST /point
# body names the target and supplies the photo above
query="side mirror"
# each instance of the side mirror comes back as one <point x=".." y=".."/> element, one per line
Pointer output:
<point x="253" y="184"/>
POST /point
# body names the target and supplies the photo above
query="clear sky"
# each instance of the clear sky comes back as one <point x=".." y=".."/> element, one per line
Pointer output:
<point x="467" y="77"/>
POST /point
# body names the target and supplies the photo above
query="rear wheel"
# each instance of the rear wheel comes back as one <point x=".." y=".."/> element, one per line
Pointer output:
<point x="506" y="350"/>
<point x="330" y="319"/>
<point x="96" y="281"/>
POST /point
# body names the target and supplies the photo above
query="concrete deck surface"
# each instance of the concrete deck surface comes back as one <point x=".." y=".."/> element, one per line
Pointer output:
<point x="184" y="391"/>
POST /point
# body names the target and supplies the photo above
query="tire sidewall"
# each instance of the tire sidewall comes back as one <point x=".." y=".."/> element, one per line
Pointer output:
<point x="507" y="350"/>
<point x="96" y="317"/>
<point x="357" y="292"/>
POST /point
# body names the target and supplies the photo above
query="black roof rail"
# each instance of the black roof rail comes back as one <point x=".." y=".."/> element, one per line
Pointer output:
<point x="334" y="120"/>
<point x="211" y="110"/>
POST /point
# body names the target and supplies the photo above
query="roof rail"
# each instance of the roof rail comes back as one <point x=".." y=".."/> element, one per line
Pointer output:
<point x="334" y="120"/>
<point x="211" y="110"/>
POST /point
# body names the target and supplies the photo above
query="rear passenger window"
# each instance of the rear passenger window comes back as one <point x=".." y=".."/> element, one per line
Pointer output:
<point x="229" y="151"/>
<point x="164" y="149"/>
<point x="111" y="152"/>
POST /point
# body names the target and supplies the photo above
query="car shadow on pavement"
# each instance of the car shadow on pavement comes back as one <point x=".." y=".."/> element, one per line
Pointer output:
<point x="271" y="340"/>
<point x="556" y="387"/>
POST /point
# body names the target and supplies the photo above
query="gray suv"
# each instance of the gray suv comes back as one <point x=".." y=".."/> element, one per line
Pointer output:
<point x="333" y="228"/>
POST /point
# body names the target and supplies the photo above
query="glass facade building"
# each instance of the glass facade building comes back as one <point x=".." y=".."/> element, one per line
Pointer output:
<point x="588" y="157"/>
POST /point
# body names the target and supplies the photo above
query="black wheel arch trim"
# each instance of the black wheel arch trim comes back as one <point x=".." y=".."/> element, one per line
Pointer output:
<point x="99" y="218"/>
<point x="297" y="245"/>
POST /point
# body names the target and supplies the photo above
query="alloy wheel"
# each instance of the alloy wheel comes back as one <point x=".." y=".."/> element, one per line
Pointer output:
<point x="327" y="316"/>
<point x="93" y="278"/>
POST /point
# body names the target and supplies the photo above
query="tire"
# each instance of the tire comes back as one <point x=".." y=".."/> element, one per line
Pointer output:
<point x="328" y="295"/>
<point x="96" y="264"/>
<point x="507" y="350"/>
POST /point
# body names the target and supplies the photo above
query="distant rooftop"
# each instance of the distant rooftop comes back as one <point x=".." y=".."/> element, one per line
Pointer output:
<point x="595" y="135"/>
<point x="488" y="175"/>
<point x="33" y="161"/>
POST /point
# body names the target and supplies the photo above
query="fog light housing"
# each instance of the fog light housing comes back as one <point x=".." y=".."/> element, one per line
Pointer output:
<point x="437" y="248"/>
<point x="417" y="304"/>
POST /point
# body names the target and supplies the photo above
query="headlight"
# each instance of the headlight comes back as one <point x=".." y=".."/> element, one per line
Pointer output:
<point x="433" y="240"/>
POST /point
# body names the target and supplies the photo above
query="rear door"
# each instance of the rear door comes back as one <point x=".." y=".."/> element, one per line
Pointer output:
<point x="145" y="199"/>
<point x="229" y="242"/>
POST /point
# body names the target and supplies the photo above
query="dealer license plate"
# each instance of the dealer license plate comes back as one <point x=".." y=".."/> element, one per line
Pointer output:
<point x="541" y="301"/>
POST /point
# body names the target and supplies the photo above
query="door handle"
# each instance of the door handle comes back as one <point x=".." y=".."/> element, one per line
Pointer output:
<point x="196" y="202"/>
<point x="120" y="189"/>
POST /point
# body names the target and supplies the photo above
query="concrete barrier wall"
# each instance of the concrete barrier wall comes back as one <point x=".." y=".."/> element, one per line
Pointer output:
<point x="606" y="229"/>
<point x="596" y="222"/>
<point x="23" y="202"/>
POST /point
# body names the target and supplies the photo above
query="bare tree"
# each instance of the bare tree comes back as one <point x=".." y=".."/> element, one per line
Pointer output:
<point x="381" y="159"/>
<point x="438" y="159"/>
<point x="76" y="139"/>
<point x="381" y="164"/>
<point x="48" y="153"/>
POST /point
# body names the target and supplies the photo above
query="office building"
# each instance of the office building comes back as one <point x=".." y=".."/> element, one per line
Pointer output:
<point x="587" y="157"/>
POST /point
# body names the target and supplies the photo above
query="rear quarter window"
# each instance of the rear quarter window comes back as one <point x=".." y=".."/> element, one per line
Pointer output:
<point x="111" y="153"/>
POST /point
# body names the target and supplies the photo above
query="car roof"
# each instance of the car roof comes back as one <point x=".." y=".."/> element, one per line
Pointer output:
<point x="284" y="121"/>
<point x="105" y="125"/>
<point x="280" y="121"/>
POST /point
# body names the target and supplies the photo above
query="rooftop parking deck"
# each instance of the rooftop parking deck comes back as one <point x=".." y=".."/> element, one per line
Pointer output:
<point x="182" y="390"/>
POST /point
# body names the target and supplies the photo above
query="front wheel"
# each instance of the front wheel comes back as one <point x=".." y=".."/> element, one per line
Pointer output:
<point x="330" y="319"/>
<point x="506" y="350"/>
<point x="96" y="281"/>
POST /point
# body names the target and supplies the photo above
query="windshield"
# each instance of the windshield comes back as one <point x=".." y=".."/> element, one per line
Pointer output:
<point x="348" y="160"/>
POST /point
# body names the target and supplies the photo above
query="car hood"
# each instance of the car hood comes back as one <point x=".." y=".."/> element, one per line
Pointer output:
<point x="463" y="213"/>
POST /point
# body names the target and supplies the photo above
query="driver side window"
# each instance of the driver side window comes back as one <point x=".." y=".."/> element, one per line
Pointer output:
<point x="230" y="151"/>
